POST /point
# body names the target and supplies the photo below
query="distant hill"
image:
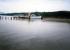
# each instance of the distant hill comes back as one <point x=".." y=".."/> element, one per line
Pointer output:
<point x="1" y="13"/>
<point x="12" y="14"/>
<point x="57" y="14"/>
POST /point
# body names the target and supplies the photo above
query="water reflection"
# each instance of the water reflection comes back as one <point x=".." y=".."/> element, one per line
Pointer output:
<point x="33" y="34"/>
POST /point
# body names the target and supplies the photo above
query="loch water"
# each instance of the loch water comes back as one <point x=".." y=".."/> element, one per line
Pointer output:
<point x="33" y="34"/>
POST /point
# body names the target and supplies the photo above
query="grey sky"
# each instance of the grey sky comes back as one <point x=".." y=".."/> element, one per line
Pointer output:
<point x="33" y="5"/>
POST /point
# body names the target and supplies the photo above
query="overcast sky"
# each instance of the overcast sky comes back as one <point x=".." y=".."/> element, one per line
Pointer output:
<point x="33" y="5"/>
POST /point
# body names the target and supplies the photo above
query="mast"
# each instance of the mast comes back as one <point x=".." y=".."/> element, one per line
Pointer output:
<point x="29" y="15"/>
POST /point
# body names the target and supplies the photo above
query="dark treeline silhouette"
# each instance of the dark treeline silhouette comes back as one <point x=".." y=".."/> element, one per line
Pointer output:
<point x="12" y="14"/>
<point x="56" y="14"/>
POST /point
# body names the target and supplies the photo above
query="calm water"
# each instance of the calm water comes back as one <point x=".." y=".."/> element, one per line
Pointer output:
<point x="33" y="34"/>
